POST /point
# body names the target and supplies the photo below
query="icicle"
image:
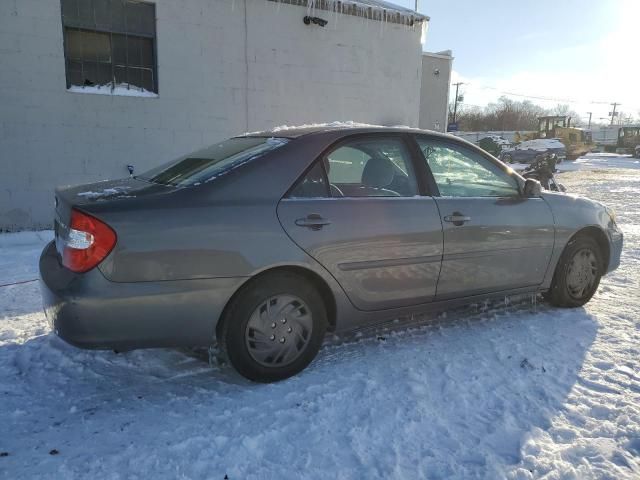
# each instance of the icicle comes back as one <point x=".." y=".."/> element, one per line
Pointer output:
<point x="425" y="28"/>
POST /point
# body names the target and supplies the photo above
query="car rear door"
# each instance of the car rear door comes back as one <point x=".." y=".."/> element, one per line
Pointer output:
<point x="495" y="239"/>
<point x="358" y="213"/>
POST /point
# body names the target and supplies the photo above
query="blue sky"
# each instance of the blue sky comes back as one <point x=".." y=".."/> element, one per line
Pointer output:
<point x="577" y="50"/>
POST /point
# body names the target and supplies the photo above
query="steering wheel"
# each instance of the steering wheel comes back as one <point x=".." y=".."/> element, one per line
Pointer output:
<point x="335" y="191"/>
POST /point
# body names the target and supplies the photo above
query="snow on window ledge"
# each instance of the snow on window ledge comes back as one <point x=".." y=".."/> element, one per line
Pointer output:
<point x="119" y="90"/>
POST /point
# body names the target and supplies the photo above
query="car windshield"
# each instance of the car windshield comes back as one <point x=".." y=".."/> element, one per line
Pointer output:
<point x="211" y="162"/>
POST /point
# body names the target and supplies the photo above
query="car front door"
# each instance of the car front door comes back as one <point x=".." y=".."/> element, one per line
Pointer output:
<point x="495" y="239"/>
<point x="358" y="213"/>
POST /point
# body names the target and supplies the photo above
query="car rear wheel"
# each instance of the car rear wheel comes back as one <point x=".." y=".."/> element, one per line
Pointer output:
<point x="507" y="158"/>
<point x="577" y="274"/>
<point x="274" y="328"/>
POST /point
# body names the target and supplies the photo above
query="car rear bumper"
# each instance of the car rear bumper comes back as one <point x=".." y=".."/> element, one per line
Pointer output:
<point x="89" y="311"/>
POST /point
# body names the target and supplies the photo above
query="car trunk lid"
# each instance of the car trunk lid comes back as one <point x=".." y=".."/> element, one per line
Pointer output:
<point x="84" y="196"/>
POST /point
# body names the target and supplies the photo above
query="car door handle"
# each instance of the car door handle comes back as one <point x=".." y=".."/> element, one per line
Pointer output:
<point x="313" y="221"/>
<point x="457" y="219"/>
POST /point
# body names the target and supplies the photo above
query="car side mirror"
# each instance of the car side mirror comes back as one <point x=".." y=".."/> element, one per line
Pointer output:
<point x="532" y="188"/>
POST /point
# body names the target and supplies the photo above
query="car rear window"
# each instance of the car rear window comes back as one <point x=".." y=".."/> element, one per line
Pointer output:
<point x="211" y="162"/>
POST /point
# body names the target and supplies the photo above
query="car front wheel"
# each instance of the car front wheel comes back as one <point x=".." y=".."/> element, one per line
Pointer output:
<point x="577" y="274"/>
<point x="274" y="327"/>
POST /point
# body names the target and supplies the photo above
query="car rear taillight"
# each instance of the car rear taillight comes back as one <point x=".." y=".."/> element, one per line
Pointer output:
<point x="88" y="242"/>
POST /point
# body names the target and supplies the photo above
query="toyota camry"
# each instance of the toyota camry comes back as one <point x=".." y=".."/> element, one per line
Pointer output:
<point x="264" y="242"/>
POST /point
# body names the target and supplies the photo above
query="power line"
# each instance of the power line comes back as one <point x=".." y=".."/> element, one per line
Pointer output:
<point x="549" y="99"/>
<point x="538" y="97"/>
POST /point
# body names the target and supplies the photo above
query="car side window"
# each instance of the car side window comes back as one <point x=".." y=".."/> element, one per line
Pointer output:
<point x="461" y="172"/>
<point x="371" y="167"/>
<point x="312" y="185"/>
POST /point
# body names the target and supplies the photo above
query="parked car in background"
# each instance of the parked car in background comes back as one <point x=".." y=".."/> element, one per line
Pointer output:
<point x="527" y="151"/>
<point x="263" y="242"/>
<point x="519" y="155"/>
<point x="549" y="145"/>
<point x="493" y="144"/>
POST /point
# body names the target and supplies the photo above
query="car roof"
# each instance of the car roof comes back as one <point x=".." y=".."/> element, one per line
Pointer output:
<point x="348" y="128"/>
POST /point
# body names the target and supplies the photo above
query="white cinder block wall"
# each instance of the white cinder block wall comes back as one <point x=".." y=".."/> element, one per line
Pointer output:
<point x="434" y="93"/>
<point x="220" y="73"/>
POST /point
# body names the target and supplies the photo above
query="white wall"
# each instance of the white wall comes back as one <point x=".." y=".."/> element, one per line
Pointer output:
<point x="352" y="69"/>
<point x="434" y="90"/>
<point x="605" y="135"/>
<point x="218" y="76"/>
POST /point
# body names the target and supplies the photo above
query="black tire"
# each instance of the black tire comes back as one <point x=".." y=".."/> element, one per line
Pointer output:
<point x="234" y="338"/>
<point x="506" y="158"/>
<point x="562" y="293"/>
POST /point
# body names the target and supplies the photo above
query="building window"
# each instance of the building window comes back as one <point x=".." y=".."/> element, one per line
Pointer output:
<point x="110" y="45"/>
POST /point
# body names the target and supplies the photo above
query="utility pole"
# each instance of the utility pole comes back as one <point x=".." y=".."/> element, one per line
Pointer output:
<point x="613" y="114"/>
<point x="455" y="104"/>
<point x="590" y="114"/>
<point x="416" y="9"/>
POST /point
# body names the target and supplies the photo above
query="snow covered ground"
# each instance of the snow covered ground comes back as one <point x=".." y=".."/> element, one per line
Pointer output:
<point x="592" y="161"/>
<point x="596" y="161"/>
<point x="508" y="390"/>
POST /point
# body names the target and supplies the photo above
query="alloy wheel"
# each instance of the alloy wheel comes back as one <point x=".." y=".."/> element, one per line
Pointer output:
<point x="582" y="273"/>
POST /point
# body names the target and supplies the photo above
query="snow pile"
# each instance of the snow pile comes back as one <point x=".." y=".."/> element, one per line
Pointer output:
<point x="107" y="192"/>
<point x="121" y="89"/>
<point x="497" y="139"/>
<point x="542" y="144"/>
<point x="498" y="391"/>
<point x="335" y="124"/>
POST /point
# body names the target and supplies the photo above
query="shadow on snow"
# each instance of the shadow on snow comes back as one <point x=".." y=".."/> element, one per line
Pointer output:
<point x="469" y="385"/>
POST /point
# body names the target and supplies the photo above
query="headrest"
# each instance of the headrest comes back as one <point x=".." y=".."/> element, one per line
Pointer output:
<point x="378" y="172"/>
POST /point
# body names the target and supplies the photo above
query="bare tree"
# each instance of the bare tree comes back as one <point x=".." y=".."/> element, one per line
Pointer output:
<point x="505" y="114"/>
<point x="566" y="110"/>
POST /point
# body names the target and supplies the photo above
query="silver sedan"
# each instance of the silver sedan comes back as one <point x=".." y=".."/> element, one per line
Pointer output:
<point x="263" y="242"/>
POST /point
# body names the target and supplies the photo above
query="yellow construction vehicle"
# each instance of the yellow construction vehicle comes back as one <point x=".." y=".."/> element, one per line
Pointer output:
<point x="628" y="139"/>
<point x="577" y="141"/>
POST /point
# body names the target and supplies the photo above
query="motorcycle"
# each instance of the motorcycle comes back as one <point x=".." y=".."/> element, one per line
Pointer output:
<point x="542" y="169"/>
